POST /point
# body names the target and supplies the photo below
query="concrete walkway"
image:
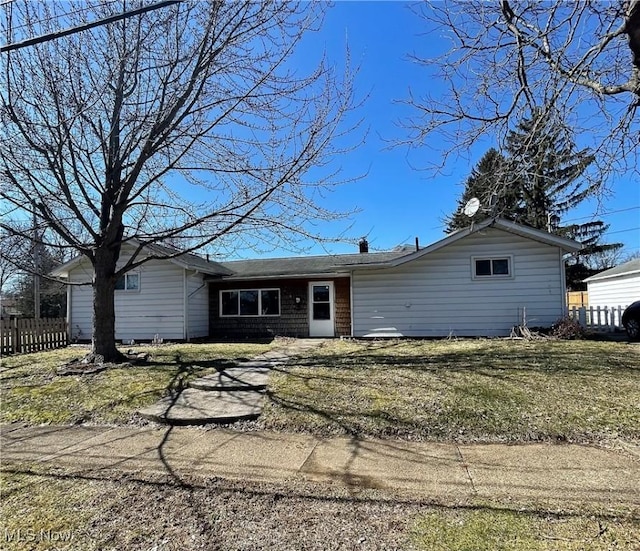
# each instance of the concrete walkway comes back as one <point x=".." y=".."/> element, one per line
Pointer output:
<point x="568" y="473"/>
<point x="232" y="394"/>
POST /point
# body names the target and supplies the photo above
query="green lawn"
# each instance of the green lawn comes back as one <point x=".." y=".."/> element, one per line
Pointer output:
<point x="467" y="390"/>
<point x="33" y="393"/>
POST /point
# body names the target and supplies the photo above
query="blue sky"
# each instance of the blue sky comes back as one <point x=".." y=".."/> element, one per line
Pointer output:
<point x="397" y="202"/>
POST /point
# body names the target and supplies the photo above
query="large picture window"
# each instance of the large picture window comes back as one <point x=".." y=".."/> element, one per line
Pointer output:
<point x="250" y="302"/>
<point x="499" y="267"/>
<point x="128" y="282"/>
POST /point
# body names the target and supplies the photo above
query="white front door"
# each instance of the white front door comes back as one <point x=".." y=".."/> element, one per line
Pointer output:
<point x="321" y="310"/>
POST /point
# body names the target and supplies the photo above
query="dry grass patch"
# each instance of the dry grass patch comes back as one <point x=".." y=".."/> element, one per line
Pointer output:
<point x="466" y="390"/>
<point x="105" y="511"/>
<point x="33" y="393"/>
<point x="487" y="529"/>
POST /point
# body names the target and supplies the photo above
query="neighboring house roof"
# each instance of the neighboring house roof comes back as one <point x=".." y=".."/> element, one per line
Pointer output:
<point x="333" y="264"/>
<point x="185" y="260"/>
<point x="631" y="267"/>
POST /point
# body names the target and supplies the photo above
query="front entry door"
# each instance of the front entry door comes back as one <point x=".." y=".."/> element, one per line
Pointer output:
<point x="321" y="310"/>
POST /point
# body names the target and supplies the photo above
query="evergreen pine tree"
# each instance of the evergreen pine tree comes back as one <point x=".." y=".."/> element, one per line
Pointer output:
<point x="550" y="170"/>
<point x="537" y="181"/>
<point x="486" y="183"/>
<point x="545" y="164"/>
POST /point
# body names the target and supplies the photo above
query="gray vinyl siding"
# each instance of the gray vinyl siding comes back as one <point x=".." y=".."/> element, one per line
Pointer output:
<point x="198" y="297"/>
<point x="80" y="306"/>
<point x="436" y="295"/>
<point x="157" y="308"/>
<point x="617" y="291"/>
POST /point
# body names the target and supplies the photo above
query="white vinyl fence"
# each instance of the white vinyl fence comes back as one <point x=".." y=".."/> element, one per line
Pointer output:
<point x="598" y="318"/>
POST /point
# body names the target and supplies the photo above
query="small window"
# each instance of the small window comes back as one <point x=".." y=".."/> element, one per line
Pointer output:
<point x="250" y="302"/>
<point x="128" y="282"/>
<point x="491" y="267"/>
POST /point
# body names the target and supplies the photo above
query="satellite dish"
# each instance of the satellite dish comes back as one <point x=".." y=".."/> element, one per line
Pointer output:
<point x="472" y="206"/>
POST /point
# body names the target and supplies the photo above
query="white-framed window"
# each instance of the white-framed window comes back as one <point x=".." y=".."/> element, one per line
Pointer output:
<point x="493" y="267"/>
<point x="250" y="302"/>
<point x="128" y="282"/>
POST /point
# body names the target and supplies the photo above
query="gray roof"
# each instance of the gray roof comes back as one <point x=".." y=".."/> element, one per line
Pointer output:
<point x="188" y="260"/>
<point x="622" y="269"/>
<point x="308" y="265"/>
<point x="185" y="260"/>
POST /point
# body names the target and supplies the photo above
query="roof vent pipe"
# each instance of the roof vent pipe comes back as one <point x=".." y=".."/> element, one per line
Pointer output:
<point x="363" y="244"/>
<point x="417" y="244"/>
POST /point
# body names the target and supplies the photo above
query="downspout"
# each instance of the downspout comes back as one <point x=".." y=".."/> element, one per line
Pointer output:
<point x="563" y="284"/>
<point x="185" y="308"/>
<point x="69" y="287"/>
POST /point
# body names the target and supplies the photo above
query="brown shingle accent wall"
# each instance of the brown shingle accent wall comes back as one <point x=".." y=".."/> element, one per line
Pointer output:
<point x="343" y="306"/>
<point x="293" y="320"/>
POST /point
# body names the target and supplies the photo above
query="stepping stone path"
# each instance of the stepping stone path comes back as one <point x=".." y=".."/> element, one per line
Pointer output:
<point x="232" y="394"/>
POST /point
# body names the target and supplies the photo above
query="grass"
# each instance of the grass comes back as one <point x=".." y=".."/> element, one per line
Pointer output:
<point x="47" y="508"/>
<point x="463" y="390"/>
<point x="469" y="390"/>
<point x="466" y="390"/>
<point x="33" y="393"/>
<point x="487" y="529"/>
<point x="39" y="510"/>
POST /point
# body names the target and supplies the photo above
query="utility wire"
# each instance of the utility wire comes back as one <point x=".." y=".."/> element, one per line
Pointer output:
<point x="73" y="30"/>
<point x="621" y="231"/>
<point x="606" y="213"/>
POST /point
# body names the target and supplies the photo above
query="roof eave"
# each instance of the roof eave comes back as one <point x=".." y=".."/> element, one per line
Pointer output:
<point x="259" y="277"/>
<point x="599" y="277"/>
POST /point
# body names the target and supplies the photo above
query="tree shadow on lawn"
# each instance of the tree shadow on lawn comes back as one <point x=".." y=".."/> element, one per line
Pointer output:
<point x="484" y="394"/>
<point x="201" y="499"/>
<point x="491" y="359"/>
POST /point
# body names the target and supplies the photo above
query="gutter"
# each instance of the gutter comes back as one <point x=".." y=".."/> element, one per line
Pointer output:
<point x="323" y="275"/>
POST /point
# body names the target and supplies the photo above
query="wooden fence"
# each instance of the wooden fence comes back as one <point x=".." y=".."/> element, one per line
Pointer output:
<point x="32" y="335"/>
<point x="577" y="299"/>
<point x="598" y="318"/>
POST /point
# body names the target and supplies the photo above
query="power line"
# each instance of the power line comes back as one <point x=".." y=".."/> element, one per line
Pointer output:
<point x="622" y="231"/>
<point x="87" y="26"/>
<point x="53" y="17"/>
<point x="606" y="213"/>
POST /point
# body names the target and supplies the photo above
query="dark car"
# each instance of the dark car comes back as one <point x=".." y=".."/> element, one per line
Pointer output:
<point x="631" y="321"/>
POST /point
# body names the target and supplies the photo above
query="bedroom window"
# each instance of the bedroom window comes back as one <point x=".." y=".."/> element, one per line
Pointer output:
<point x="128" y="282"/>
<point x="250" y="302"/>
<point x="492" y="267"/>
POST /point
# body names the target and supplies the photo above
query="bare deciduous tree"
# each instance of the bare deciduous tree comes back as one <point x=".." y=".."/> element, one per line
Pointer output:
<point x="12" y="252"/>
<point x="579" y="62"/>
<point x="189" y="124"/>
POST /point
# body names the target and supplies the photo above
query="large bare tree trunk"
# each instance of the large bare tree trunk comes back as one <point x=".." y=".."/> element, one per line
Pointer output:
<point x="104" y="317"/>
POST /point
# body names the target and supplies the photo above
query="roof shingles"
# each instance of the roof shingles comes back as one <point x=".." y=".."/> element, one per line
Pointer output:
<point x="307" y="265"/>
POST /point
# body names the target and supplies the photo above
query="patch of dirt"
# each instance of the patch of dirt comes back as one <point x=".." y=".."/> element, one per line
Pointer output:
<point x="226" y="515"/>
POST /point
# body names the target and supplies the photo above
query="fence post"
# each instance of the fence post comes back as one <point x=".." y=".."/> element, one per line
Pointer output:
<point x="582" y="316"/>
<point x="15" y="336"/>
